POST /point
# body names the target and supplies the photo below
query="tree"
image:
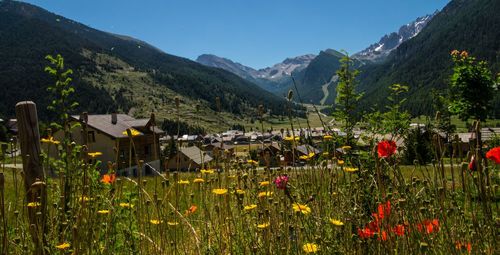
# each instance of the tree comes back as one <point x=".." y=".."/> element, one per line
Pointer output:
<point x="471" y="87"/>
<point x="347" y="97"/>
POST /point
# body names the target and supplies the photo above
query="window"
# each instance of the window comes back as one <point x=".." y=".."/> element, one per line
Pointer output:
<point x="90" y="136"/>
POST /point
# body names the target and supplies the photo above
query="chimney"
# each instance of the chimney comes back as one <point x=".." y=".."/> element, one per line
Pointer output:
<point x="114" y="118"/>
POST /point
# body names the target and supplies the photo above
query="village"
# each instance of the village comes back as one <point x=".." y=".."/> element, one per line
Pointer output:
<point x="158" y="151"/>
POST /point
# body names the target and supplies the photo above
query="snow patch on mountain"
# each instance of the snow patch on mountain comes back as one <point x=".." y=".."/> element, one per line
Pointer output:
<point x="379" y="51"/>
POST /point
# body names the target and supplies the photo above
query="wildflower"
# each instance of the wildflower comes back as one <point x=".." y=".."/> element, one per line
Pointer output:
<point x="346" y="147"/>
<point x="63" y="246"/>
<point x="455" y="52"/>
<point x="103" y="212"/>
<point x="291" y="138"/>
<point x="249" y="207"/>
<point x="108" y="178"/>
<point x="304" y="209"/>
<point x="310" y="248"/>
<point x="351" y="169"/>
<point x="173" y="223"/>
<point x="325" y="154"/>
<point x="155" y="222"/>
<point x="464" y="54"/>
<point x="264" y="194"/>
<point x="191" y="210"/>
<point x="383" y="236"/>
<point x="472" y="164"/>
<point x="399" y="230"/>
<point x="33" y="204"/>
<point x="198" y="180"/>
<point x="337" y="222"/>
<point x="263" y="225"/>
<point x="133" y="132"/>
<point x="494" y="154"/>
<point x="94" y="154"/>
<point x="232" y="176"/>
<point x="84" y="199"/>
<point x="281" y="182"/>
<point x="304" y="157"/>
<point x="207" y="171"/>
<point x="183" y="182"/>
<point x="327" y="137"/>
<point x="383" y="210"/>
<point x="365" y="233"/>
<point x="264" y="183"/>
<point x="126" y="205"/>
<point x="219" y="191"/>
<point x="340" y="162"/>
<point x="240" y="192"/>
<point x="430" y="226"/>
<point x="386" y="148"/>
<point x="459" y="246"/>
<point x="252" y="162"/>
<point x="50" y="140"/>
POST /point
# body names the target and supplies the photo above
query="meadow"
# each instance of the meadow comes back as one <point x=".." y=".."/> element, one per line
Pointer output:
<point x="358" y="203"/>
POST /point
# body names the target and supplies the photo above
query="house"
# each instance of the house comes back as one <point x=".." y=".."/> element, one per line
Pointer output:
<point x="270" y="155"/>
<point x="187" y="159"/>
<point x="107" y="133"/>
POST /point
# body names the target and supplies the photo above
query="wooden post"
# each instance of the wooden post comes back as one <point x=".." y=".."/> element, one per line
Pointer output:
<point x="34" y="177"/>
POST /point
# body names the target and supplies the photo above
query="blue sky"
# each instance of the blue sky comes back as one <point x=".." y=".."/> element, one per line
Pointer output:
<point x="257" y="33"/>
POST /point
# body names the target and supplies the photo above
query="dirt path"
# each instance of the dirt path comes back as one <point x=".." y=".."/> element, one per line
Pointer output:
<point x="325" y="89"/>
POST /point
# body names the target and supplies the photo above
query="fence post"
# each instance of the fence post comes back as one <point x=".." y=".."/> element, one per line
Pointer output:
<point x="34" y="177"/>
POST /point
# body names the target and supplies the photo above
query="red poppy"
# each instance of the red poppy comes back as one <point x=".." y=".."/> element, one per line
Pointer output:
<point x="365" y="233"/>
<point x="386" y="148"/>
<point x="399" y="230"/>
<point x="494" y="154"/>
<point x="108" y="178"/>
<point x="191" y="210"/>
<point x="431" y="226"/>
<point x="472" y="164"/>
<point x="383" y="236"/>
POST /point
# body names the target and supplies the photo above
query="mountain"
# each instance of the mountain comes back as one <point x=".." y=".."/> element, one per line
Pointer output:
<point x="379" y="51"/>
<point x="424" y="61"/>
<point x="244" y="72"/>
<point x="272" y="79"/>
<point x="111" y="72"/>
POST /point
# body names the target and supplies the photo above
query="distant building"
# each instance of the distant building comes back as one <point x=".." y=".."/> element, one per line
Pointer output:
<point x="188" y="159"/>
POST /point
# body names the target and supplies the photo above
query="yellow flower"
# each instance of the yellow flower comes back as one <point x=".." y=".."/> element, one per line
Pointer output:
<point x="133" y="132"/>
<point x="34" y="204"/>
<point x="232" y="176"/>
<point x="240" y="192"/>
<point x="310" y="248"/>
<point x="346" y="147"/>
<point x="265" y="194"/>
<point x="263" y="225"/>
<point x="250" y="207"/>
<point x="183" y="182"/>
<point x="198" y="180"/>
<point x="337" y="222"/>
<point x="155" y="222"/>
<point x="325" y="154"/>
<point x="327" y="137"/>
<point x="126" y="205"/>
<point x="304" y="209"/>
<point x="252" y="162"/>
<point x="340" y="162"/>
<point x="173" y="223"/>
<point x="84" y="199"/>
<point x="63" y="246"/>
<point x="103" y="212"/>
<point x="219" y="191"/>
<point x="50" y="140"/>
<point x="311" y="154"/>
<point x="291" y="138"/>
<point x="94" y="154"/>
<point x="207" y="171"/>
<point x="304" y="157"/>
<point x="264" y="183"/>
<point x="351" y="169"/>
